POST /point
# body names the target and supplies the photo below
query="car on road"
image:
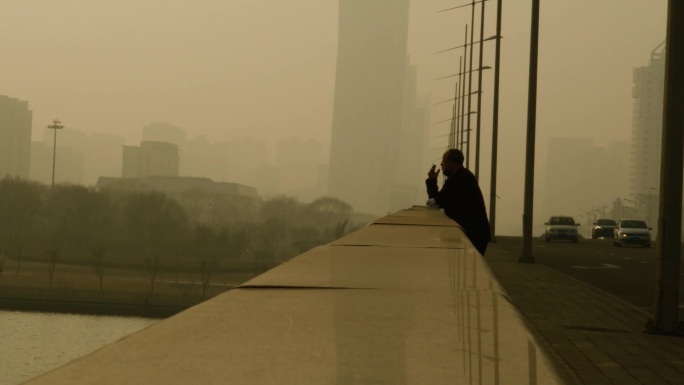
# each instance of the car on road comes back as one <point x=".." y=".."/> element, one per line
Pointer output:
<point x="632" y="232"/>
<point x="603" y="228"/>
<point x="561" y="227"/>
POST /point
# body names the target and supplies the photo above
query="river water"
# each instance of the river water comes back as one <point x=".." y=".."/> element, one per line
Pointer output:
<point x="34" y="343"/>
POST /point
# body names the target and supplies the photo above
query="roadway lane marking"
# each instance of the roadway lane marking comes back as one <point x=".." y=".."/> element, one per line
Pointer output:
<point x="603" y="266"/>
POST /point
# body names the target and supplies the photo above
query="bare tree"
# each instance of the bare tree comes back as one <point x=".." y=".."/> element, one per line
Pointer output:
<point x="21" y="202"/>
<point x="96" y="262"/>
<point x="177" y="264"/>
<point x="3" y="256"/>
<point x="330" y="215"/>
<point x="152" y="265"/>
<point x="207" y="266"/>
<point x="18" y="259"/>
<point x="53" y="254"/>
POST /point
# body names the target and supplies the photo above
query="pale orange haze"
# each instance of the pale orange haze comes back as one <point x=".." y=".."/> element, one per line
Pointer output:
<point x="265" y="69"/>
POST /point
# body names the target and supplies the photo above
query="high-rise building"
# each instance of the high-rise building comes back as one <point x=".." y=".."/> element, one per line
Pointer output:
<point x="647" y="127"/>
<point x="15" y="137"/>
<point x="369" y="112"/>
<point x="150" y="159"/>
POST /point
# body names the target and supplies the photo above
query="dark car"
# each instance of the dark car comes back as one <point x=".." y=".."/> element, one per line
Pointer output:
<point x="603" y="228"/>
<point x="632" y="232"/>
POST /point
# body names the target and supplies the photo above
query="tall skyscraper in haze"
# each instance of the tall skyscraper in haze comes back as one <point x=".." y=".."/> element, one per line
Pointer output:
<point x="15" y="137"/>
<point x="370" y="111"/>
<point x="647" y="128"/>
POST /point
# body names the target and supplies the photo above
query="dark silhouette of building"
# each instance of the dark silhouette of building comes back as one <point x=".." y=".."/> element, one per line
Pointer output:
<point x="15" y="137"/>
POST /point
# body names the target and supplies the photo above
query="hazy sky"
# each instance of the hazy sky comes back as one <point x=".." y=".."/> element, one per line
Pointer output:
<point x="266" y="68"/>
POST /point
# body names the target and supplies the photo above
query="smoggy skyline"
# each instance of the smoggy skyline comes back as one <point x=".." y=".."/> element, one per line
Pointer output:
<point x="266" y="69"/>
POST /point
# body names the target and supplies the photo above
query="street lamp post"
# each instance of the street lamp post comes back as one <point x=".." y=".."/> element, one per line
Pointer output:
<point x="495" y="125"/>
<point x="56" y="125"/>
<point x="623" y="206"/>
<point x="479" y="96"/>
<point x="669" y="240"/>
<point x="460" y="97"/>
<point x="649" y="203"/>
<point x="527" y="256"/>
<point x="461" y="78"/>
<point x="643" y="197"/>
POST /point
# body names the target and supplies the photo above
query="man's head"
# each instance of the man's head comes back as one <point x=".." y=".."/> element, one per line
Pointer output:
<point x="452" y="160"/>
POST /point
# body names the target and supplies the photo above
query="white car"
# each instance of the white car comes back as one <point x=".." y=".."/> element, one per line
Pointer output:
<point x="561" y="227"/>
<point x="632" y="232"/>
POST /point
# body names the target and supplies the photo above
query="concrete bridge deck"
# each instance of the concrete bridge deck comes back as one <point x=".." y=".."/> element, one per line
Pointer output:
<point x="405" y="300"/>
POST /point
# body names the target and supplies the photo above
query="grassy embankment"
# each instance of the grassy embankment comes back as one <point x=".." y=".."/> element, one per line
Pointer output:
<point x="127" y="286"/>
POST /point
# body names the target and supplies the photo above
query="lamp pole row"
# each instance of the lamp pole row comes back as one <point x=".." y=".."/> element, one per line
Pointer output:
<point x="458" y="129"/>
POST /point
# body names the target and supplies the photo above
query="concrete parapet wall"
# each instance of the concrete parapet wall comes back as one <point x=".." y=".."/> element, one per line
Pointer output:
<point x="405" y="300"/>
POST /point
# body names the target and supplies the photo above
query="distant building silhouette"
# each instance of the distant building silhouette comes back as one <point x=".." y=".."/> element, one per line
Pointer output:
<point x="204" y="200"/>
<point x="176" y="186"/>
<point x="296" y="171"/>
<point x="647" y="127"/>
<point x="15" y="137"/>
<point x="81" y="157"/>
<point x="164" y="132"/>
<point x="69" y="163"/>
<point x="580" y="178"/>
<point x="374" y="109"/>
<point x="150" y="159"/>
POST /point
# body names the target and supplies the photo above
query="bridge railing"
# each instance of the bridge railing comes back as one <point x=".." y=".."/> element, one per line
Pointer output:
<point x="405" y="300"/>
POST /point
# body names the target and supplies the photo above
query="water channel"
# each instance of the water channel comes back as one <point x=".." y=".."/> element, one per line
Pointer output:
<point x="34" y="343"/>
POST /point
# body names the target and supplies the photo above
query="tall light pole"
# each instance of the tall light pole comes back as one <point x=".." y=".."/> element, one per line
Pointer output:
<point x="590" y="219"/>
<point x="527" y="256"/>
<point x="649" y="204"/>
<point x="623" y="206"/>
<point x="56" y="125"/>
<point x="479" y="96"/>
<point x="643" y="197"/>
<point x="469" y="58"/>
<point x="495" y="125"/>
<point x="669" y="240"/>
<point x="470" y="81"/>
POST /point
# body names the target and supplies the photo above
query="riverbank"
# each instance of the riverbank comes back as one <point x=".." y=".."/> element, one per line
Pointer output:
<point x="123" y="292"/>
<point x="90" y="308"/>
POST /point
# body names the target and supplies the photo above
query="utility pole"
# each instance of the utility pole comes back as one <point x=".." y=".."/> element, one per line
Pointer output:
<point x="527" y="256"/>
<point x="470" y="82"/>
<point x="56" y="125"/>
<point x="479" y="94"/>
<point x="495" y="125"/>
<point x="668" y="269"/>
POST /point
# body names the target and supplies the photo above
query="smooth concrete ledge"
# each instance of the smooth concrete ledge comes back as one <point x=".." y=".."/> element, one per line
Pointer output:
<point x="406" y="300"/>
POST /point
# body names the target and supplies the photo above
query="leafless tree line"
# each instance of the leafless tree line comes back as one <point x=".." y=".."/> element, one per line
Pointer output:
<point x="105" y="224"/>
